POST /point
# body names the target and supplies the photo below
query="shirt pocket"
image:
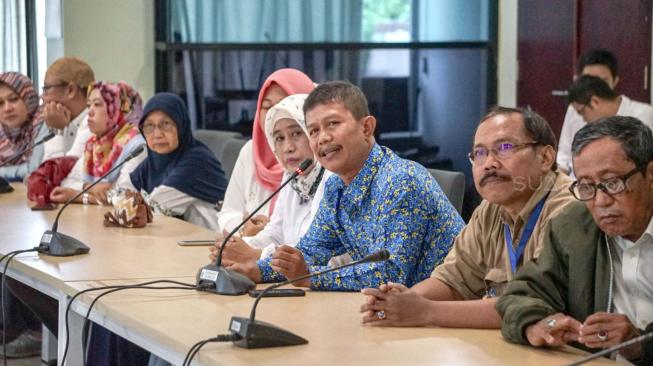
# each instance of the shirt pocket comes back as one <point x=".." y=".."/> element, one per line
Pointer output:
<point x="496" y="281"/>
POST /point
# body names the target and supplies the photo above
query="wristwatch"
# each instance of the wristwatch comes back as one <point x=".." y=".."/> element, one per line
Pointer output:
<point x="85" y="198"/>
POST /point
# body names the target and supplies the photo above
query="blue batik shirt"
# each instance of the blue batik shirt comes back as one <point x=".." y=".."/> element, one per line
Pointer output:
<point x="391" y="204"/>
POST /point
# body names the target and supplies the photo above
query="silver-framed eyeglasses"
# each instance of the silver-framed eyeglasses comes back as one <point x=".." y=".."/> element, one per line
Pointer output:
<point x="586" y="191"/>
<point x="165" y="126"/>
<point x="45" y="87"/>
<point x="502" y="151"/>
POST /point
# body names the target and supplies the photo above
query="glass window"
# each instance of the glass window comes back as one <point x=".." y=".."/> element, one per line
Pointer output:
<point x="307" y="21"/>
<point x="453" y="20"/>
<point x="426" y="66"/>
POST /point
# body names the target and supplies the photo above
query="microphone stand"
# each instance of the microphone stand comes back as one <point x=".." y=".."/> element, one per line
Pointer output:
<point x="225" y="281"/>
<point x="617" y="347"/>
<point x="61" y="245"/>
<point x="253" y="333"/>
<point x="4" y="185"/>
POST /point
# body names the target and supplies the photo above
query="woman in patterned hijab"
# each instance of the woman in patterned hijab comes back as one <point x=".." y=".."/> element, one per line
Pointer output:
<point x="19" y="126"/>
<point x="114" y="112"/>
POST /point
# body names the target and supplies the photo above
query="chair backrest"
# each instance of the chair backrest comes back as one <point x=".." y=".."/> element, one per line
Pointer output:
<point x="230" y="155"/>
<point x="452" y="184"/>
<point x="216" y="140"/>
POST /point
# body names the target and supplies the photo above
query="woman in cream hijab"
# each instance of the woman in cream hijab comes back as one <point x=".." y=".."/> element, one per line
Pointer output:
<point x="298" y="202"/>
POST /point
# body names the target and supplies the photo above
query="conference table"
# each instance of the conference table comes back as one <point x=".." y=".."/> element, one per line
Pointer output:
<point x="169" y="322"/>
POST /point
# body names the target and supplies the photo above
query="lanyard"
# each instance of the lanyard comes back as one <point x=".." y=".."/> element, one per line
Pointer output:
<point x="528" y="231"/>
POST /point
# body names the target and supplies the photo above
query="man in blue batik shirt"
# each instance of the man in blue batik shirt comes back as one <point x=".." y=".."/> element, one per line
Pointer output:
<point x="375" y="201"/>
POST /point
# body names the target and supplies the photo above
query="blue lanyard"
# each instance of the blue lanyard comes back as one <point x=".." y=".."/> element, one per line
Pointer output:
<point x="528" y="231"/>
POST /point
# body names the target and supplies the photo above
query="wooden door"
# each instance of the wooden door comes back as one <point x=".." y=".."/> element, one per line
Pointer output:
<point x="545" y="53"/>
<point x="624" y="28"/>
<point x="552" y="34"/>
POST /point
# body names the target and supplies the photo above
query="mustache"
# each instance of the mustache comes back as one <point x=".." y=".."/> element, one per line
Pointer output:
<point x="492" y="174"/>
<point x="329" y="148"/>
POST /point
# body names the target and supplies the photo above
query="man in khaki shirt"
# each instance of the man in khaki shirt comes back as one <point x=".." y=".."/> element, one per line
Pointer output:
<point x="513" y="164"/>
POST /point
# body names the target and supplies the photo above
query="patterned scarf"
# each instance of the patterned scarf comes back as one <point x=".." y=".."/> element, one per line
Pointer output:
<point x="15" y="140"/>
<point x="291" y="107"/>
<point x="124" y="108"/>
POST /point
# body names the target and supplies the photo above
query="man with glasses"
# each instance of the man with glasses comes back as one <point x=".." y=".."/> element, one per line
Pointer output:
<point x="593" y="282"/>
<point x="513" y="164"/>
<point x="64" y="106"/>
<point x="593" y="99"/>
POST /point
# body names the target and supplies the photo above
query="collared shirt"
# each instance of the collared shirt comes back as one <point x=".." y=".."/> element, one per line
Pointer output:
<point x="71" y="140"/>
<point x="391" y="204"/>
<point x="478" y="263"/>
<point x="574" y="122"/>
<point x="633" y="278"/>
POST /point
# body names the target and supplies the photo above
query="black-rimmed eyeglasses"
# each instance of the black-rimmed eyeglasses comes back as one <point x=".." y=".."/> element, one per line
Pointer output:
<point x="586" y="191"/>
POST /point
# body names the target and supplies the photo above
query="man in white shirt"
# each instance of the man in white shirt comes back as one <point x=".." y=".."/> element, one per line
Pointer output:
<point x="64" y="106"/>
<point x="593" y="99"/>
<point x="599" y="63"/>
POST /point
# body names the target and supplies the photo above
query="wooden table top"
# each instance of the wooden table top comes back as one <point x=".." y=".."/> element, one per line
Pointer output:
<point x="328" y="320"/>
<point x="116" y="253"/>
<point x="178" y="319"/>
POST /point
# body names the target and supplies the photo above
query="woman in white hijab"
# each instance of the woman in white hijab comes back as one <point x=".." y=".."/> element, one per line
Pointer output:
<point x="298" y="202"/>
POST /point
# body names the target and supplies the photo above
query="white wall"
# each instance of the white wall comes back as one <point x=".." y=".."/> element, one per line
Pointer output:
<point x="507" y="72"/>
<point x="115" y="37"/>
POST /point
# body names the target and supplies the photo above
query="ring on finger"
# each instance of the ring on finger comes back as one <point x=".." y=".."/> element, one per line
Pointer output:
<point x="602" y="336"/>
<point x="551" y="323"/>
<point x="380" y="314"/>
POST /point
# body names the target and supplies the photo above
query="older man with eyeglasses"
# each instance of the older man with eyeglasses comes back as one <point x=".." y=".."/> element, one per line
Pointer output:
<point x="64" y="106"/>
<point x="592" y="285"/>
<point x="513" y="163"/>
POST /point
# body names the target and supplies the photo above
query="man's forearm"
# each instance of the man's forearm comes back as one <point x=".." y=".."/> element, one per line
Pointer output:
<point x="464" y="314"/>
<point x="434" y="289"/>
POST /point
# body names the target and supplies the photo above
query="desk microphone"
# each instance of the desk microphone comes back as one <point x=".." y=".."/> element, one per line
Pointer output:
<point x="227" y="282"/>
<point x="4" y="186"/>
<point x="61" y="245"/>
<point x="251" y="333"/>
<point x="607" y="351"/>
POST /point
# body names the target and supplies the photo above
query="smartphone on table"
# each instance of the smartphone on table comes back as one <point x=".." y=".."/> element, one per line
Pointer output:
<point x="195" y="243"/>
<point x="279" y="292"/>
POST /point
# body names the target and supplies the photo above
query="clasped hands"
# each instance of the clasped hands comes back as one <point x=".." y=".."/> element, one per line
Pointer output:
<point x="600" y="330"/>
<point x="393" y="304"/>
<point x="97" y="194"/>
<point x="240" y="257"/>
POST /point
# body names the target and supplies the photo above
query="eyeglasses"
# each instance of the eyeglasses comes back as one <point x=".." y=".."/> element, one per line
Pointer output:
<point x="165" y="126"/>
<point x="587" y="191"/>
<point x="45" y="87"/>
<point x="501" y="152"/>
<point x="582" y="109"/>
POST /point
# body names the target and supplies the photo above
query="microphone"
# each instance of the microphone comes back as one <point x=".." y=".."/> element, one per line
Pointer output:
<point x="61" y="245"/>
<point x="607" y="351"/>
<point x="216" y="278"/>
<point x="251" y="333"/>
<point x="4" y="186"/>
